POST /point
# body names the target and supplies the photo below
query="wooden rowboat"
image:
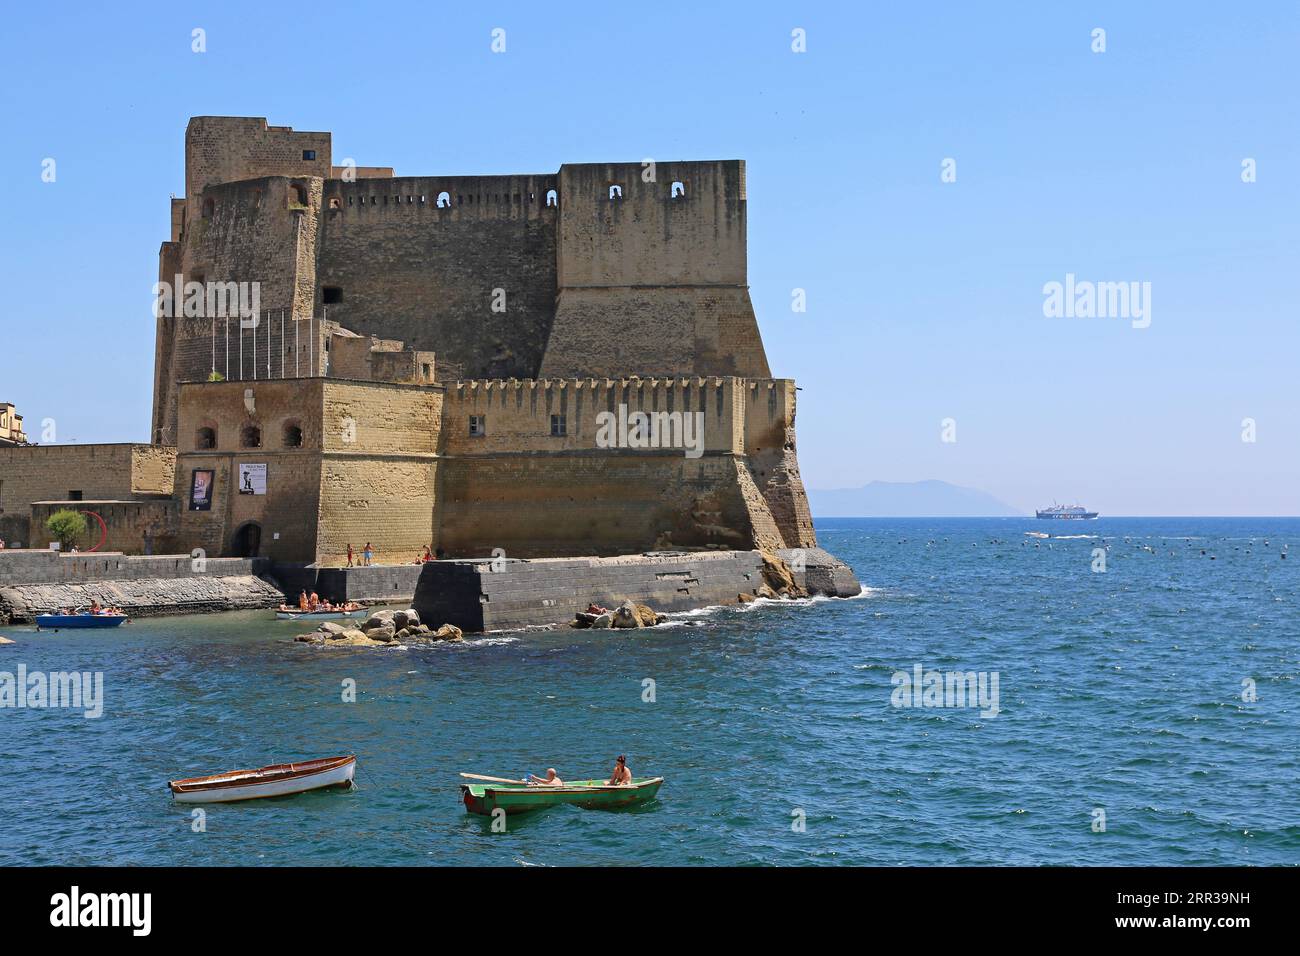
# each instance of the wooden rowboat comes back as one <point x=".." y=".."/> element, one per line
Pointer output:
<point x="275" y="781"/>
<point x="54" y="621"/>
<point x="483" y="798"/>
<point x="316" y="615"/>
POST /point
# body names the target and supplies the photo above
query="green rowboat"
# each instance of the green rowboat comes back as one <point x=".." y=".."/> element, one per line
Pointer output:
<point x="483" y="798"/>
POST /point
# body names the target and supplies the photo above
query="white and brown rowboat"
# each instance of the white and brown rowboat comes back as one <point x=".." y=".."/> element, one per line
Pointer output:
<point x="275" y="781"/>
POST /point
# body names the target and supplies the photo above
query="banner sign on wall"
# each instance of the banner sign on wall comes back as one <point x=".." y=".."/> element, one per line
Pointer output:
<point x="252" y="479"/>
<point x="201" y="490"/>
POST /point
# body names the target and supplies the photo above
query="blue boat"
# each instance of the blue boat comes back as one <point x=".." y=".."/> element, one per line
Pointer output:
<point x="56" y="621"/>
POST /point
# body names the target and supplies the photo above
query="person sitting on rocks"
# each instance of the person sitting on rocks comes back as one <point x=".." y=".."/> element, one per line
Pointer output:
<point x="550" y="780"/>
<point x="622" y="776"/>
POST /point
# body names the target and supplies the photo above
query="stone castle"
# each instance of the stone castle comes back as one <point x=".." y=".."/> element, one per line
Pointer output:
<point x="432" y="362"/>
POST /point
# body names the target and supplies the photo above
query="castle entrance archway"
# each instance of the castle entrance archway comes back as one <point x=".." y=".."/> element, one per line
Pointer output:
<point x="247" y="540"/>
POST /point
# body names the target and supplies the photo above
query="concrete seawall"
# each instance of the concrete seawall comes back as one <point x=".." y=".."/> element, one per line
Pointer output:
<point x="518" y="593"/>
<point x="387" y="583"/>
<point x="33" y="582"/>
<point x="475" y="595"/>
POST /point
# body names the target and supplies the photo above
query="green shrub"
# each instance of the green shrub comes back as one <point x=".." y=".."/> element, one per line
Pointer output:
<point x="66" y="527"/>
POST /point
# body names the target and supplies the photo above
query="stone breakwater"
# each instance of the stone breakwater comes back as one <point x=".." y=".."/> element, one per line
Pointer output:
<point x="36" y="581"/>
<point x="471" y="595"/>
<point x="480" y="595"/>
<point x="141" y="598"/>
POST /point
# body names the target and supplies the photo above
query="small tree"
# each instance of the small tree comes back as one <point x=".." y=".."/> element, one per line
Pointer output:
<point x="66" y="526"/>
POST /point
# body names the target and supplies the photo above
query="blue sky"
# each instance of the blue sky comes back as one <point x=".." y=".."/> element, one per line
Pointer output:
<point x="924" y="298"/>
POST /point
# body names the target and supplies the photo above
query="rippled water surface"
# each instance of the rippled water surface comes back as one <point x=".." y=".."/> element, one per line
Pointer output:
<point x="1119" y="690"/>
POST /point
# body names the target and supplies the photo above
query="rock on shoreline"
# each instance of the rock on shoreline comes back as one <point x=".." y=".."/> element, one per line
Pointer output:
<point x="629" y="614"/>
<point x="381" y="629"/>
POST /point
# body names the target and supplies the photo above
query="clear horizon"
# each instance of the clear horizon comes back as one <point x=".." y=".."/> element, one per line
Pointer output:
<point x="925" y="299"/>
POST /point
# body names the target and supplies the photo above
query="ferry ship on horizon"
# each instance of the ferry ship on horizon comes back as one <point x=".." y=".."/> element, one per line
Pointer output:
<point x="1066" y="512"/>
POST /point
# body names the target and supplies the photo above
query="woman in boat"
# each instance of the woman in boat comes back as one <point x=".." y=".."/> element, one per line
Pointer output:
<point x="622" y="776"/>
<point x="302" y="600"/>
<point x="550" y="780"/>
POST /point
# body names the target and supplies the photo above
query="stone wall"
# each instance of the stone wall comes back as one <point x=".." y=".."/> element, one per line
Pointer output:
<point x="286" y="516"/>
<point x="407" y="269"/>
<point x="594" y="502"/>
<point x="32" y="473"/>
<point x="130" y="527"/>
<point x="141" y="597"/>
<point x="516" y="415"/>
<point x="226" y="149"/>
<point x="366" y="468"/>
<point x="387" y="584"/>
<point x="654" y="281"/>
<point x="36" y="582"/>
<point x="50" y="567"/>
<point x="475" y="597"/>
<point x="518" y="487"/>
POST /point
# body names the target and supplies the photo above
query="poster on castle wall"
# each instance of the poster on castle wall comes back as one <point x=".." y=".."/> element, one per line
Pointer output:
<point x="201" y="490"/>
<point x="252" y="479"/>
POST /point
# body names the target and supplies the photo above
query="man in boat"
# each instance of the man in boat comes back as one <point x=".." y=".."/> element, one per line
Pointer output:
<point x="314" y="600"/>
<point x="622" y="776"/>
<point x="551" y="779"/>
<point x="302" y="600"/>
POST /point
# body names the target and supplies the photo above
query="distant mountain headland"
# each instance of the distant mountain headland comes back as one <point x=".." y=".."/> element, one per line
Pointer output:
<point x="908" y="499"/>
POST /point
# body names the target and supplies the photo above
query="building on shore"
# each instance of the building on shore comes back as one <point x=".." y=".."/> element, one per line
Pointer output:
<point x="546" y="364"/>
<point x="11" y="425"/>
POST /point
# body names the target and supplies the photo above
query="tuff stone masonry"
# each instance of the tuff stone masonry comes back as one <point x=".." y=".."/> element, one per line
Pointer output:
<point x="436" y="361"/>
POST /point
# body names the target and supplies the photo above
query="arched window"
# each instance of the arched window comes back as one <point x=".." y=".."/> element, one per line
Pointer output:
<point x="250" y="437"/>
<point x="336" y="202"/>
<point x="292" y="435"/>
<point x="297" y="194"/>
<point x="205" y="439"/>
<point x="209" y="206"/>
<point x="552" y="197"/>
<point x="444" y="200"/>
<point x="679" y="190"/>
<point x="615" y="191"/>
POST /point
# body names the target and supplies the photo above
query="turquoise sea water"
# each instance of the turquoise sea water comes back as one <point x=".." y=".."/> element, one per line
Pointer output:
<point x="1119" y="690"/>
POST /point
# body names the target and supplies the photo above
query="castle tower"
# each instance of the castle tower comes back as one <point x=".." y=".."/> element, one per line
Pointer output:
<point x="652" y="273"/>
